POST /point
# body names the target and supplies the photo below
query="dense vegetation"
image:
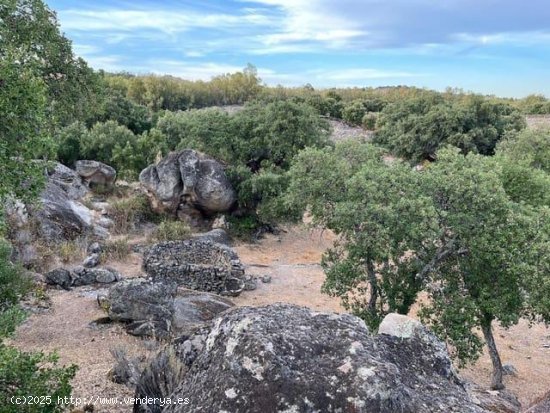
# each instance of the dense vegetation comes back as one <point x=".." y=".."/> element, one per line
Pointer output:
<point x="469" y="229"/>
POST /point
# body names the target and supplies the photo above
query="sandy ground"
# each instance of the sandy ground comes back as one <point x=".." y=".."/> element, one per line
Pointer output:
<point x="292" y="260"/>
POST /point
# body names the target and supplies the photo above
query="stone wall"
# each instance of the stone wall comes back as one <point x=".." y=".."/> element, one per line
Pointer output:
<point x="196" y="264"/>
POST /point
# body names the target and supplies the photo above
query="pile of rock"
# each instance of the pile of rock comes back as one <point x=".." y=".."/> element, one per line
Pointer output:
<point x="287" y="358"/>
<point x="160" y="309"/>
<point x="196" y="264"/>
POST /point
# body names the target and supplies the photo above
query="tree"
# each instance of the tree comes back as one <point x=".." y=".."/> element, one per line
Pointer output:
<point x="30" y="32"/>
<point x="416" y="128"/>
<point x="451" y="231"/>
<point x="100" y="142"/>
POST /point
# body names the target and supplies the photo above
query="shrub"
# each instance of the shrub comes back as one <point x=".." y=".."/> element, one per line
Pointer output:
<point x="118" y="249"/>
<point x="369" y="121"/>
<point x="171" y="231"/>
<point x="98" y="144"/>
<point x="353" y="113"/>
<point x="128" y="212"/>
<point x="416" y="128"/>
<point x="70" y="251"/>
<point x="68" y="140"/>
<point x="33" y="374"/>
<point x="13" y="285"/>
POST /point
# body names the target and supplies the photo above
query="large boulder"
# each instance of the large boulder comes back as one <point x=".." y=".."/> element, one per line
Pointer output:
<point x="61" y="217"/>
<point x="95" y="172"/>
<point x="188" y="179"/>
<point x="68" y="180"/>
<point x="284" y="358"/>
<point x="196" y="264"/>
<point x="161" y="309"/>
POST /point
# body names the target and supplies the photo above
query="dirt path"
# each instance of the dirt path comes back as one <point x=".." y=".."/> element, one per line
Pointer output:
<point x="292" y="260"/>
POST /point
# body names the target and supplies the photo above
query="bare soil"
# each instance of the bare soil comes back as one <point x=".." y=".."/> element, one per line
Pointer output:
<point x="292" y="260"/>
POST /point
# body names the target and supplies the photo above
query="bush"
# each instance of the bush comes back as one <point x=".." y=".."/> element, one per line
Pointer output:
<point x="128" y="212"/>
<point x="13" y="285"/>
<point x="118" y="249"/>
<point x="33" y="374"/>
<point x="353" y="113"/>
<point x="100" y="143"/>
<point x="369" y="121"/>
<point x="171" y="231"/>
<point x="68" y="141"/>
<point x="69" y="251"/>
<point x="532" y="146"/>
<point x="416" y="128"/>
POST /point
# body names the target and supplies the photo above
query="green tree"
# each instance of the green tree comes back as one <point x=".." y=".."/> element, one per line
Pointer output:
<point x="416" y="128"/>
<point x="451" y="231"/>
<point x="30" y="32"/>
<point x="68" y="141"/>
<point x="100" y="142"/>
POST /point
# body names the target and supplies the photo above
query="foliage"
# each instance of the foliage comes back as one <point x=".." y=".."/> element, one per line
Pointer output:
<point x="23" y="134"/>
<point x="369" y="121"/>
<point x="33" y="374"/>
<point x="117" y="249"/>
<point x="106" y="142"/>
<point x="128" y="212"/>
<point x="451" y="231"/>
<point x="13" y="285"/>
<point x="68" y="141"/>
<point x="170" y="230"/>
<point x="353" y="113"/>
<point x="532" y="146"/>
<point x="416" y="128"/>
<point x="118" y="108"/>
<point x="30" y="36"/>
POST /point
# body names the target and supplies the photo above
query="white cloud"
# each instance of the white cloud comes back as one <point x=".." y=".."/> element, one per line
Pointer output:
<point x="162" y="20"/>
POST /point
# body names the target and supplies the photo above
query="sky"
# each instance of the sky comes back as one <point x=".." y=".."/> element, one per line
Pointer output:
<point x="499" y="47"/>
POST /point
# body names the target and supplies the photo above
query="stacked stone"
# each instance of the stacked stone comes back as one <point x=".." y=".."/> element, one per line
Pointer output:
<point x="196" y="264"/>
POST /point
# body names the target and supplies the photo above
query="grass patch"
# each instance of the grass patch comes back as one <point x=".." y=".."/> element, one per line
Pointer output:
<point x="117" y="250"/>
<point x="128" y="212"/>
<point x="171" y="231"/>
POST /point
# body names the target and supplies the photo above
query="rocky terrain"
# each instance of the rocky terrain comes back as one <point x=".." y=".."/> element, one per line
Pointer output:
<point x="169" y="319"/>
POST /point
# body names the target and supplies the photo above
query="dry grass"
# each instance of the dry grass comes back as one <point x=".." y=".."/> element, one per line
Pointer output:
<point x="117" y="249"/>
<point x="170" y="231"/>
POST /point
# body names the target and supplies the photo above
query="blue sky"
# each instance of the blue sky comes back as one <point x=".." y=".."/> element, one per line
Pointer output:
<point x="497" y="47"/>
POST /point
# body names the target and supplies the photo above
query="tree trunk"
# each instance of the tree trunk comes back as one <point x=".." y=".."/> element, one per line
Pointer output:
<point x="496" y="381"/>
<point x="373" y="286"/>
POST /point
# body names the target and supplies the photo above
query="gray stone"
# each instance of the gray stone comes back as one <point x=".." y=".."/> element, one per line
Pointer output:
<point x="159" y="309"/>
<point x="91" y="261"/>
<point x="60" y="277"/>
<point x="401" y="326"/>
<point x="106" y="275"/>
<point x="96" y="173"/>
<point x="217" y="235"/>
<point x="284" y="358"/>
<point x="188" y="179"/>
<point x="494" y="401"/>
<point x="61" y="217"/>
<point x="509" y="370"/>
<point x="266" y="279"/>
<point x="94" y="248"/>
<point x="197" y="265"/>
<point x="68" y="180"/>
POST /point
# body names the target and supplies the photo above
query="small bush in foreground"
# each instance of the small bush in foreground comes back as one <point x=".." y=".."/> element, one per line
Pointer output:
<point x="117" y="249"/>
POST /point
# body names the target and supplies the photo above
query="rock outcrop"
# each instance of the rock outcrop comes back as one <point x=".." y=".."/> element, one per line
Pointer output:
<point x="186" y="181"/>
<point x="160" y="309"/>
<point x="196" y="264"/>
<point x="79" y="276"/>
<point x="284" y="358"/>
<point x="95" y="172"/>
